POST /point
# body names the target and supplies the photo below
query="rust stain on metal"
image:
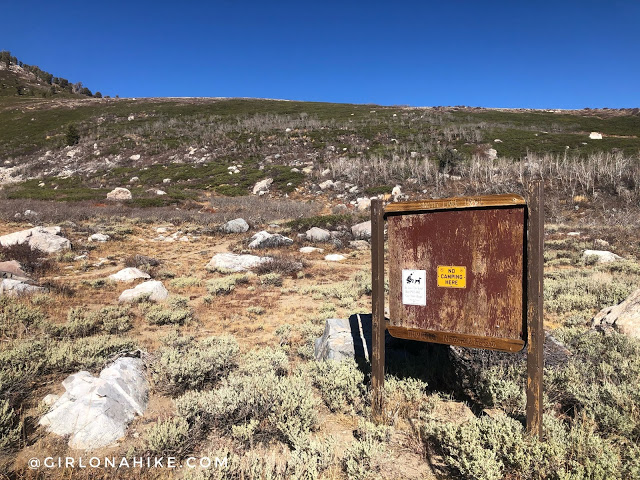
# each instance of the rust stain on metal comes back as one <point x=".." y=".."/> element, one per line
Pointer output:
<point x="488" y="242"/>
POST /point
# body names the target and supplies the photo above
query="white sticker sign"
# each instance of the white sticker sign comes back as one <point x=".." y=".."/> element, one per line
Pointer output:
<point x="414" y="290"/>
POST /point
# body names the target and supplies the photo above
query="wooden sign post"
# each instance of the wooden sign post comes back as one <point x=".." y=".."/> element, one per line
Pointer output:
<point x="463" y="271"/>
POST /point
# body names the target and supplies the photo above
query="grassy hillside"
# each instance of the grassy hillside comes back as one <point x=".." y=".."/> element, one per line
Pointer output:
<point x="230" y="356"/>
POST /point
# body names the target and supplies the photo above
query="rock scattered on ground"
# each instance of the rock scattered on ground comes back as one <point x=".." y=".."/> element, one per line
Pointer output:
<point x="153" y="289"/>
<point x="360" y="245"/>
<point x="311" y="250"/>
<point x="119" y="194"/>
<point x="362" y="231"/>
<point x="128" y="275"/>
<point x="47" y="239"/>
<point x="316" y="234"/>
<point x="363" y="204"/>
<point x="338" y="342"/>
<point x="601" y="256"/>
<point x="99" y="237"/>
<point x="624" y="317"/>
<point x="334" y="257"/>
<point x="12" y="269"/>
<point x="232" y="262"/>
<point x="95" y="411"/>
<point x="265" y="239"/>
<point x="262" y="187"/>
<point x="238" y="225"/>
<point x="14" y="288"/>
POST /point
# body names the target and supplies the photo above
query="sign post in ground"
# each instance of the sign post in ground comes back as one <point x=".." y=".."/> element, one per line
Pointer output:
<point x="463" y="271"/>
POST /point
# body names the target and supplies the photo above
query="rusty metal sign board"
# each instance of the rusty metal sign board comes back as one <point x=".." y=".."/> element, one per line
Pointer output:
<point x="465" y="271"/>
<point x="457" y="271"/>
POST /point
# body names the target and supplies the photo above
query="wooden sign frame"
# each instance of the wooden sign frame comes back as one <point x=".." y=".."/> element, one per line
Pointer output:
<point x="533" y="301"/>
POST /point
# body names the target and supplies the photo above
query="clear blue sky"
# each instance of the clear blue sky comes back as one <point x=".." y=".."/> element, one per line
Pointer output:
<point x="537" y="54"/>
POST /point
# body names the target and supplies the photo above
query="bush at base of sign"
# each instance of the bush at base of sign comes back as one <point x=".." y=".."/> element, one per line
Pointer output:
<point x="492" y="449"/>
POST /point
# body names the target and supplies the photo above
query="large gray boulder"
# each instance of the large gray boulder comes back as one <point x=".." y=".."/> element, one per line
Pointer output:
<point x="95" y="411"/>
<point x="238" y="225"/>
<point x="46" y="239"/>
<point x="337" y="342"/>
<point x="154" y="289"/>
<point x="362" y="231"/>
<point x="14" y="288"/>
<point x="12" y="269"/>
<point x="624" y="317"/>
<point x="265" y="239"/>
<point x="119" y="194"/>
<point x="600" y="256"/>
<point x="262" y="187"/>
<point x="232" y="262"/>
<point x="128" y="275"/>
<point x="316" y="234"/>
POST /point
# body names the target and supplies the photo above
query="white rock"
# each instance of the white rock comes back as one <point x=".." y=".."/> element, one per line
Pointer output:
<point x="44" y="238"/>
<point x="128" y="275"/>
<point x="99" y="237"/>
<point x="311" y="250"/>
<point x="338" y="342"/>
<point x="237" y="225"/>
<point x="334" y="257"/>
<point x="262" y="186"/>
<point x="326" y="185"/>
<point x="118" y="194"/>
<point x="325" y="172"/>
<point x="134" y="180"/>
<point x="14" y="288"/>
<point x="624" y="317"/>
<point x="160" y="192"/>
<point x="602" y="256"/>
<point x="50" y="399"/>
<point x="360" y="245"/>
<point x="492" y="154"/>
<point x="573" y="234"/>
<point x="316" y="234"/>
<point x="135" y="157"/>
<point x="166" y="180"/>
<point x="162" y="229"/>
<point x="595" y="136"/>
<point x="95" y="411"/>
<point x="131" y="117"/>
<point x="153" y="288"/>
<point x="12" y="269"/>
<point x="497" y="140"/>
<point x="265" y="239"/>
<point x="363" y="204"/>
<point x="362" y="231"/>
<point x="232" y="262"/>
<point x="396" y="192"/>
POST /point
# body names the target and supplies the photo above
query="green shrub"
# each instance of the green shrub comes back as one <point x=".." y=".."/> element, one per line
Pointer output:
<point x="405" y="398"/>
<point x="263" y="361"/>
<point x="195" y="364"/>
<point x="169" y="438"/>
<point x="225" y="285"/>
<point x="16" y="318"/>
<point x="176" y="313"/>
<point x="341" y="384"/>
<point x="284" y="406"/>
<point x="83" y="323"/>
<point x="273" y="279"/>
<point x="10" y="427"/>
<point x="492" y="449"/>
<point x="602" y="381"/>
<point x="579" y="289"/>
<point x="185" y="282"/>
<point x="359" y="462"/>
